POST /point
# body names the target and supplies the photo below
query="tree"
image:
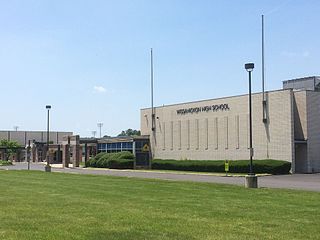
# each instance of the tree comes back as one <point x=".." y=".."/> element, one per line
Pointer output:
<point x="11" y="146"/>
<point x="130" y="132"/>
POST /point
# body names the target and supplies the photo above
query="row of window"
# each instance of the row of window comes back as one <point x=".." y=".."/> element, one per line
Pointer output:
<point x="121" y="146"/>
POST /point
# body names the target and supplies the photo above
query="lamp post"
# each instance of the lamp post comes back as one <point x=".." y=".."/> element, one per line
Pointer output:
<point x="48" y="167"/>
<point x="251" y="179"/>
<point x="100" y="125"/>
<point x="249" y="67"/>
<point x="94" y="133"/>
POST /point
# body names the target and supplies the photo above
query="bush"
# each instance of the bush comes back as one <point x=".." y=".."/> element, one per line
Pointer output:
<point x="99" y="155"/>
<point x="236" y="166"/>
<point x="121" y="164"/>
<point x="125" y="155"/>
<point x="125" y="160"/>
<point x="91" y="162"/>
<point x="109" y="160"/>
<point x="5" y="163"/>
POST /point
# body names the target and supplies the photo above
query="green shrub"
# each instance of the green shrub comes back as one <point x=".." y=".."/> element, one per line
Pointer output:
<point x="99" y="155"/>
<point x="121" y="164"/>
<point x="102" y="163"/>
<point x="125" y="155"/>
<point x="124" y="160"/>
<point x="236" y="166"/>
<point x="91" y="162"/>
<point x="102" y="160"/>
<point x="5" y="163"/>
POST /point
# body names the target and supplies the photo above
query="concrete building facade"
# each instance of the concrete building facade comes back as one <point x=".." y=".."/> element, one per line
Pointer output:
<point x="218" y="129"/>
<point x="37" y="140"/>
<point x="22" y="137"/>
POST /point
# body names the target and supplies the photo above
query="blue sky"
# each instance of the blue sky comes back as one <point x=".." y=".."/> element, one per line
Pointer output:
<point x="91" y="59"/>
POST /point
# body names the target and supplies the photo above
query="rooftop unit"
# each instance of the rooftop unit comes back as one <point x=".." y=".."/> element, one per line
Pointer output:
<point x="306" y="83"/>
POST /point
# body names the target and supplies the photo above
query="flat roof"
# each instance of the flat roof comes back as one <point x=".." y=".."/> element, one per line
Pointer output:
<point x="211" y="99"/>
<point x="300" y="79"/>
<point x="123" y="139"/>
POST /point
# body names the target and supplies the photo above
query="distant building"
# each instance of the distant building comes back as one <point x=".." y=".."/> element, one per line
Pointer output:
<point x="138" y="145"/>
<point x="38" y="140"/>
<point x="23" y="137"/>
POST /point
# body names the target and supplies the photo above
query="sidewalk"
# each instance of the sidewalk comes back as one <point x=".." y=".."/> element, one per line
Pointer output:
<point x="309" y="182"/>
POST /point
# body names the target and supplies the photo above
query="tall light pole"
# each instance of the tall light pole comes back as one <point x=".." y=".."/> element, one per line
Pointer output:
<point x="16" y="128"/>
<point x="94" y="134"/>
<point x="152" y="107"/>
<point x="100" y="125"/>
<point x="249" y="67"/>
<point x="251" y="179"/>
<point x="48" y="167"/>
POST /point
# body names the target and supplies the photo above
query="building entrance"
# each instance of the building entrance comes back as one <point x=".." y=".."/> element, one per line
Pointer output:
<point x="301" y="158"/>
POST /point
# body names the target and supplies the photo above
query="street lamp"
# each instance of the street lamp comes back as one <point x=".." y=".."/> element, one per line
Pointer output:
<point x="100" y="125"/>
<point x="249" y="67"/>
<point x="48" y="167"/>
<point x="251" y="180"/>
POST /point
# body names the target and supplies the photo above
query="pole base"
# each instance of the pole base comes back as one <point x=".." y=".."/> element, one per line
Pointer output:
<point x="251" y="181"/>
<point x="47" y="168"/>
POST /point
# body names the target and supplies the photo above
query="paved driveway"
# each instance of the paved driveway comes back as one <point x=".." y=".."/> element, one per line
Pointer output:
<point x="310" y="182"/>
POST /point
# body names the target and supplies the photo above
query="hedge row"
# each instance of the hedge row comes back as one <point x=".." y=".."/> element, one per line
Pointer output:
<point x="5" y="163"/>
<point x="236" y="166"/>
<point x="120" y="160"/>
<point x="124" y="160"/>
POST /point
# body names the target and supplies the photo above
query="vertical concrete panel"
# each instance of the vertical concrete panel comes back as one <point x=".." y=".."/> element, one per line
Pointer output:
<point x="164" y="135"/>
<point x="313" y="131"/>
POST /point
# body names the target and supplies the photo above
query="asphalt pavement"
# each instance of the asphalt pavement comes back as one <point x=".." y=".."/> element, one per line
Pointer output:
<point x="309" y="182"/>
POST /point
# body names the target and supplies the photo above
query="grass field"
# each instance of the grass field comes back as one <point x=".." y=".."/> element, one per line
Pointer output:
<point x="38" y="205"/>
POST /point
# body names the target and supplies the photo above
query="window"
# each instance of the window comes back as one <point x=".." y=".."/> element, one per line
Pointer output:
<point x="102" y="147"/>
<point x="138" y="145"/>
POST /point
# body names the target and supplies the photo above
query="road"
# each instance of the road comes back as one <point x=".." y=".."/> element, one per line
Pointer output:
<point x="309" y="182"/>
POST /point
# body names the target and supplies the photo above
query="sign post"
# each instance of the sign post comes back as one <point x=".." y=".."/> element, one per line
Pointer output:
<point x="28" y="154"/>
<point x="226" y="167"/>
<point x="142" y="159"/>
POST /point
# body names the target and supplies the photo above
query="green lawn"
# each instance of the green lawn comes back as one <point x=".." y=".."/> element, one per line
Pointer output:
<point x="38" y="205"/>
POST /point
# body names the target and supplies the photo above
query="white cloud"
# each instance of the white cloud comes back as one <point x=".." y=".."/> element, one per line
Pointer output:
<point x="288" y="54"/>
<point x="295" y="54"/>
<point x="99" y="89"/>
<point x="306" y="54"/>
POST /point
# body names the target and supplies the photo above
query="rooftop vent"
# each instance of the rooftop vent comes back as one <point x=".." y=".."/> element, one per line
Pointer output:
<point x="306" y="83"/>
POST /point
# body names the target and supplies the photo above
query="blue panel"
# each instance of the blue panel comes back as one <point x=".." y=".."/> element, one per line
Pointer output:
<point x="138" y="145"/>
<point x="102" y="146"/>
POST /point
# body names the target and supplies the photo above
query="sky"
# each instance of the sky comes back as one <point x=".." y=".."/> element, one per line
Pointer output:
<point x="90" y="60"/>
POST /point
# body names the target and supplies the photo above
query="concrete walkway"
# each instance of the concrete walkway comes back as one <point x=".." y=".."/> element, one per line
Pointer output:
<point x="310" y="182"/>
